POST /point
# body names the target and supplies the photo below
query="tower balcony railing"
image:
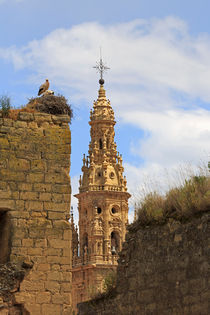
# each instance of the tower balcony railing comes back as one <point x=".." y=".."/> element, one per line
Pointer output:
<point x="105" y="188"/>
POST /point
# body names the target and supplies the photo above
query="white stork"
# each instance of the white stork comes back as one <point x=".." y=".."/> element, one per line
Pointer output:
<point x="44" y="87"/>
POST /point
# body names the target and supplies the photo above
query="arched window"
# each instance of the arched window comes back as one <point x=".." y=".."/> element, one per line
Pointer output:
<point x="100" y="144"/>
<point x="85" y="242"/>
<point x="114" y="210"/>
<point x="99" y="210"/>
<point x="115" y="243"/>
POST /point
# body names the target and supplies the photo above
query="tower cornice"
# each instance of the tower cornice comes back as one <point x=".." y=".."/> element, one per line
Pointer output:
<point x="103" y="193"/>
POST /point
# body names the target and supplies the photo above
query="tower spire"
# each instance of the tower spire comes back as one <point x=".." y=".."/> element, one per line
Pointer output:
<point x="101" y="68"/>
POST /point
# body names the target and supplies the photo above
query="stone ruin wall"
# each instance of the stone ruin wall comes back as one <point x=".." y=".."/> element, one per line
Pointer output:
<point x="34" y="212"/>
<point x="162" y="270"/>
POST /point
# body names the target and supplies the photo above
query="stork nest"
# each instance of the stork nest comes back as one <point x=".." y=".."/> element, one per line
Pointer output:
<point x="51" y="104"/>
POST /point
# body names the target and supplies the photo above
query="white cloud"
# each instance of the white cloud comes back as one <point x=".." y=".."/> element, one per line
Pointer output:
<point x="159" y="75"/>
<point x="145" y="56"/>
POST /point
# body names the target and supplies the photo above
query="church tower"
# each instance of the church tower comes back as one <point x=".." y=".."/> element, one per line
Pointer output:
<point x="102" y="204"/>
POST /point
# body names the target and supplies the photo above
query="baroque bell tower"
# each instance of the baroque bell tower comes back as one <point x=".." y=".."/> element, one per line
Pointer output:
<point x="102" y="203"/>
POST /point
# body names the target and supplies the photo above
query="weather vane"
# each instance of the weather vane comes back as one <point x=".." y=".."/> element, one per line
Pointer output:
<point x="101" y="68"/>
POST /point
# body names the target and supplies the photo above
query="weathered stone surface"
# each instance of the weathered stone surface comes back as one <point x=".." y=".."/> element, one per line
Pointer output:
<point x="35" y="191"/>
<point x="162" y="270"/>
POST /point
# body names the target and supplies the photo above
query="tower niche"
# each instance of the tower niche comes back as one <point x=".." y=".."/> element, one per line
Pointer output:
<point x="102" y="205"/>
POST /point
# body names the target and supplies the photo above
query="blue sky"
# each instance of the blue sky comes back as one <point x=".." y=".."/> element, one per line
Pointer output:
<point x="159" y="82"/>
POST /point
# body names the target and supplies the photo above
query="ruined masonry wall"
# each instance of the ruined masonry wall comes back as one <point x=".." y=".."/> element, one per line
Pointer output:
<point x="162" y="270"/>
<point x="35" y="191"/>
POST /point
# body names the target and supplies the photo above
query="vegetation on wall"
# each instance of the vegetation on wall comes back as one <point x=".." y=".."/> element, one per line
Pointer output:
<point x="5" y="105"/>
<point x="180" y="203"/>
<point x="109" y="288"/>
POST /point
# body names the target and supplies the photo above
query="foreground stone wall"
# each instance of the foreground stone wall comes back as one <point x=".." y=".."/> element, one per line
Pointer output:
<point x="35" y="199"/>
<point x="162" y="270"/>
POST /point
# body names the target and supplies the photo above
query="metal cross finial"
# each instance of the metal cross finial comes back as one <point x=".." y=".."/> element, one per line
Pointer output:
<point x="101" y="68"/>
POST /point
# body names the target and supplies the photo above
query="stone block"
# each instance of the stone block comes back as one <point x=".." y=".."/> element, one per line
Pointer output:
<point x="24" y="116"/>
<point x="56" y="215"/>
<point x="5" y="194"/>
<point x="27" y="242"/>
<point x="67" y="310"/>
<point x="54" y="276"/>
<point x="52" y="206"/>
<point x="35" y="251"/>
<point x="57" y="197"/>
<point x="42" y="243"/>
<point x="34" y="309"/>
<point x="63" y="298"/>
<point x="66" y="276"/>
<point x="29" y="195"/>
<point x="15" y="195"/>
<point x="38" y="166"/>
<point x="61" y="119"/>
<point x="45" y="196"/>
<point x="3" y="185"/>
<point x="54" y="178"/>
<point x="43" y="297"/>
<point x="13" y="186"/>
<point x="20" y="124"/>
<point x="65" y="287"/>
<point x="8" y="204"/>
<point x="62" y="189"/>
<point x="42" y="187"/>
<point x="63" y="224"/>
<point x="52" y="286"/>
<point x="24" y="187"/>
<point x="16" y="242"/>
<point x="37" y="275"/>
<point x="8" y="122"/>
<point x="52" y="233"/>
<point x="54" y="259"/>
<point x="54" y="243"/>
<point x="66" y="197"/>
<point x="67" y="251"/>
<point x="35" y="232"/>
<point x="40" y="259"/>
<point x="35" y="178"/>
<point x="4" y="143"/>
<point x="55" y="267"/>
<point x="19" y="165"/>
<point x="20" y="205"/>
<point x="9" y="175"/>
<point x="67" y="235"/>
<point x="20" y="214"/>
<point x="32" y="286"/>
<point x="19" y="251"/>
<point x="20" y="232"/>
<point x="34" y="205"/>
<point x="24" y="298"/>
<point x="43" y="267"/>
<point x="42" y="117"/>
<point x="64" y="260"/>
<point x="53" y="252"/>
<point x="51" y="309"/>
